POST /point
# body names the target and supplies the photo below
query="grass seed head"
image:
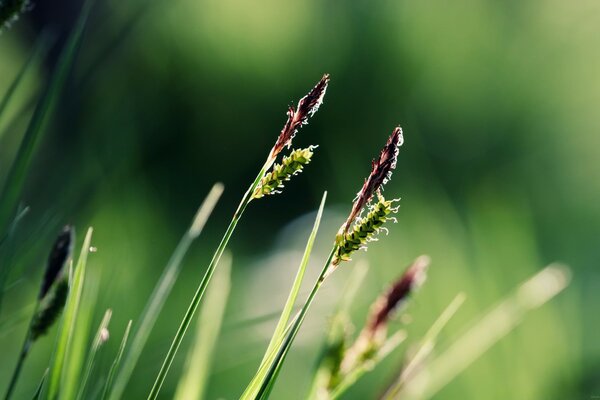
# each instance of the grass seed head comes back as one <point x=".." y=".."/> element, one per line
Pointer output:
<point x="297" y="117"/>
<point x="381" y="172"/>
<point x="50" y="308"/>
<point x="385" y="306"/>
<point x="59" y="256"/>
<point x="290" y="166"/>
<point x="365" y="229"/>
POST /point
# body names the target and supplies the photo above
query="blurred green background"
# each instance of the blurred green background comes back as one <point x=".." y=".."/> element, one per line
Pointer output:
<point x="499" y="174"/>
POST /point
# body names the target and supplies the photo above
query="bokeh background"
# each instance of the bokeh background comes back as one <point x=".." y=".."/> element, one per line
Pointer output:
<point x="499" y="174"/>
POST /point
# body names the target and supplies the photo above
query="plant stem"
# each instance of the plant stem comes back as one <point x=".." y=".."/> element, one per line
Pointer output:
<point x="187" y="319"/>
<point x="287" y="343"/>
<point x="22" y="356"/>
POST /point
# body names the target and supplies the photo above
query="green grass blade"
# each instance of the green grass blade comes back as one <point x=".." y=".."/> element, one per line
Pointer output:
<point x="291" y="300"/>
<point x="7" y="251"/>
<point x="390" y="345"/>
<point x="193" y="382"/>
<point x="272" y="372"/>
<point x="485" y="332"/>
<point x="116" y="362"/>
<point x="199" y="294"/>
<point x="99" y="339"/>
<point x="69" y="319"/>
<point x="162" y="290"/>
<point x="38" y="391"/>
<point x="18" y="171"/>
<point x="39" y="50"/>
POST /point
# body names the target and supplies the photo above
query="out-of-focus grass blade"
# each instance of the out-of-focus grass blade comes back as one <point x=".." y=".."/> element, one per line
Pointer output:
<point x="390" y="345"/>
<point x="99" y="339"/>
<point x="40" y="48"/>
<point x="486" y="332"/>
<point x="38" y="391"/>
<point x="69" y="319"/>
<point x="116" y="362"/>
<point x="18" y="171"/>
<point x="280" y="331"/>
<point x="192" y="384"/>
<point x="427" y="345"/>
<point x="77" y="351"/>
<point x="162" y="290"/>
<point x="291" y="300"/>
<point x="7" y="251"/>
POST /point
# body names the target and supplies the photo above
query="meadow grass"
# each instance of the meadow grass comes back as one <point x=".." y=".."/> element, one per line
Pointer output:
<point x="68" y="298"/>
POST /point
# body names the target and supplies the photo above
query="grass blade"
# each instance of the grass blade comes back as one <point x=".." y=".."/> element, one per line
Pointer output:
<point x="193" y="382"/>
<point x="69" y="319"/>
<point x="390" y="345"/>
<point x="199" y="294"/>
<point x="116" y="362"/>
<point x="427" y="344"/>
<point x="38" y="391"/>
<point x="162" y="290"/>
<point x="40" y="49"/>
<point x="488" y="330"/>
<point x="99" y="339"/>
<point x="18" y="171"/>
<point x="291" y="300"/>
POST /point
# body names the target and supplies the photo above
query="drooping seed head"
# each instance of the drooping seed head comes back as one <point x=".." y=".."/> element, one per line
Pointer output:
<point x="59" y="257"/>
<point x="384" y="307"/>
<point x="296" y="117"/>
<point x="364" y="230"/>
<point x="381" y="171"/>
<point x="290" y="165"/>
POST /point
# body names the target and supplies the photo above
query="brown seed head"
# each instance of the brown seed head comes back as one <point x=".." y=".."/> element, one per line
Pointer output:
<point x="381" y="172"/>
<point x="384" y="306"/>
<point x="306" y="108"/>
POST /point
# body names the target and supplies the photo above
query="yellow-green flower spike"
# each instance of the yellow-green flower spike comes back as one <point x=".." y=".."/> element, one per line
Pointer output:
<point x="364" y="230"/>
<point x="290" y="166"/>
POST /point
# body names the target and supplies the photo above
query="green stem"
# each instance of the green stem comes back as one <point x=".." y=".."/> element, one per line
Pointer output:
<point x="22" y="356"/>
<point x="187" y="319"/>
<point x="287" y="343"/>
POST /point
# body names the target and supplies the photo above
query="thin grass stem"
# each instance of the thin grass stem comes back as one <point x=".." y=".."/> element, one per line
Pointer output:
<point x="162" y="291"/>
<point x="187" y="319"/>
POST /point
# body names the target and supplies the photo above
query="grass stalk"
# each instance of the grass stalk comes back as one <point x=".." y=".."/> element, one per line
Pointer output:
<point x="266" y="376"/>
<point x="194" y="379"/>
<point x="38" y="391"/>
<point x="99" y="339"/>
<point x="291" y="300"/>
<point x="486" y="332"/>
<point x="116" y="362"/>
<point x="426" y="346"/>
<point x="69" y="320"/>
<point x="162" y="290"/>
<point x="390" y="345"/>
<point x="198" y="295"/>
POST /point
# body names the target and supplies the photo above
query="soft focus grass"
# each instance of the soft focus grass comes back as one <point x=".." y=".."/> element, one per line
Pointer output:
<point x="498" y="175"/>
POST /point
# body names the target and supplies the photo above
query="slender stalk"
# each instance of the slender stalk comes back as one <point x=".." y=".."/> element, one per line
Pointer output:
<point x="287" y="343"/>
<point x="162" y="290"/>
<point x="390" y="345"/>
<point x="22" y="356"/>
<point x="187" y="319"/>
